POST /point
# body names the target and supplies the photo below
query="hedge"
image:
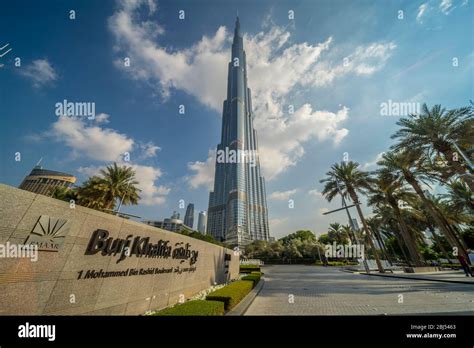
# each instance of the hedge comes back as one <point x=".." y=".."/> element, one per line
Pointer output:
<point x="231" y="294"/>
<point x="338" y="263"/>
<point x="255" y="278"/>
<point x="196" y="307"/>
<point x="458" y="265"/>
<point x="249" y="268"/>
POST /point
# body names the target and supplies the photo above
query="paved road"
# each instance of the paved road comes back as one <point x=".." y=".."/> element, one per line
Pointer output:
<point x="312" y="290"/>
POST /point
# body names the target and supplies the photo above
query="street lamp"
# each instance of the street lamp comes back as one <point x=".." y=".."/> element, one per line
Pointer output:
<point x="351" y="223"/>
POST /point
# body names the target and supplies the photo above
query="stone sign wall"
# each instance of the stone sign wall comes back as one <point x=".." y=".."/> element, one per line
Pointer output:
<point x="81" y="261"/>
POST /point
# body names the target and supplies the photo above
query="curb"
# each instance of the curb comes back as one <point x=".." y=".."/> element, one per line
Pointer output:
<point x="417" y="278"/>
<point x="243" y="305"/>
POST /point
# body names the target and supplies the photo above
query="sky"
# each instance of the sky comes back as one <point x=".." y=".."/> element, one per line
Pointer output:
<point x="319" y="72"/>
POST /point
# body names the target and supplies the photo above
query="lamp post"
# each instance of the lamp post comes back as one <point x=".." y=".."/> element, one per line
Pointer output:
<point x="351" y="223"/>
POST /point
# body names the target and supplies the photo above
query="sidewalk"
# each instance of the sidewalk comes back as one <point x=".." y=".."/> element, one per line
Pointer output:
<point x="442" y="276"/>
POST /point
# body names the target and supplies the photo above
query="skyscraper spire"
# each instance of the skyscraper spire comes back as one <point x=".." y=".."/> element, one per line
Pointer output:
<point x="237" y="26"/>
<point x="237" y="211"/>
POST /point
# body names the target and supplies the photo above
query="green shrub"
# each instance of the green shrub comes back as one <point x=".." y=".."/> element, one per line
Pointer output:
<point x="249" y="268"/>
<point x="338" y="263"/>
<point x="457" y="265"/>
<point x="231" y="294"/>
<point x="255" y="278"/>
<point x="257" y="273"/>
<point x="197" y="307"/>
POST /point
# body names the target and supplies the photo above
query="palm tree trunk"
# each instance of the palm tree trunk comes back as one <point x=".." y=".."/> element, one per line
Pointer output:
<point x="431" y="209"/>
<point x="401" y="245"/>
<point x="382" y="244"/>
<point x="410" y="242"/>
<point x="355" y="199"/>
<point x="438" y="240"/>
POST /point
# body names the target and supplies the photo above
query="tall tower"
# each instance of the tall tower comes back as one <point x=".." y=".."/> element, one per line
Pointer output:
<point x="202" y="222"/>
<point x="237" y="211"/>
<point x="189" y="217"/>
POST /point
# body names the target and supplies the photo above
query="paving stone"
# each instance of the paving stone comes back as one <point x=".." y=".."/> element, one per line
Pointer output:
<point x="329" y="291"/>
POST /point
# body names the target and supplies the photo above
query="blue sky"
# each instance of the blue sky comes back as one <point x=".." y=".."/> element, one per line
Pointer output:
<point x="335" y="63"/>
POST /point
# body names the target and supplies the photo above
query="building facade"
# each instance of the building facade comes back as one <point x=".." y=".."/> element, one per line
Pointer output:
<point x="237" y="211"/>
<point x="189" y="216"/>
<point x="44" y="181"/>
<point x="173" y="224"/>
<point x="202" y="222"/>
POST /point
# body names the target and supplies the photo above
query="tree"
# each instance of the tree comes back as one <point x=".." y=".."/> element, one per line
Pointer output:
<point x="390" y="190"/>
<point x="460" y="197"/>
<point x="324" y="239"/>
<point x="411" y="164"/>
<point x="302" y="235"/>
<point x="337" y="234"/>
<point x="115" y="183"/>
<point x="436" y="131"/>
<point x="119" y="183"/>
<point x="347" y="230"/>
<point x="90" y="193"/>
<point x="64" y="193"/>
<point x="345" y="178"/>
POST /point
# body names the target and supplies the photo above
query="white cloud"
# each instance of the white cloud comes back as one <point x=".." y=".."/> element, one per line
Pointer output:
<point x="446" y="6"/>
<point x="91" y="141"/>
<point x="203" y="172"/>
<point x="281" y="138"/>
<point x="321" y="211"/>
<point x="365" y="60"/>
<point x="201" y="71"/>
<point x="146" y="176"/>
<point x="187" y="70"/>
<point x="149" y="150"/>
<point x="276" y="222"/>
<point x="40" y="72"/>
<point x="281" y="195"/>
<point x="102" y="118"/>
<point x="371" y="165"/>
<point x="315" y="193"/>
<point x="421" y="12"/>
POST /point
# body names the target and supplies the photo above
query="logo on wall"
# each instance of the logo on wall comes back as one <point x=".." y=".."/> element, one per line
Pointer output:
<point x="48" y="233"/>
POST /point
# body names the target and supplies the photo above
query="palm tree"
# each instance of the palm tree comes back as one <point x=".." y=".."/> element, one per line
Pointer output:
<point x="336" y="233"/>
<point x="390" y="227"/>
<point x="90" y="194"/>
<point x="347" y="230"/>
<point x="390" y="190"/>
<point x="375" y="224"/>
<point x="411" y="164"/>
<point x="119" y="183"/>
<point x="453" y="217"/>
<point x="438" y="130"/>
<point x="64" y="193"/>
<point x="345" y="178"/>
<point x="460" y="197"/>
<point x="115" y="183"/>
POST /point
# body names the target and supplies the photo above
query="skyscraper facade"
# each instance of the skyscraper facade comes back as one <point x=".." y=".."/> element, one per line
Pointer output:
<point x="189" y="217"/>
<point x="237" y="211"/>
<point x="202" y="222"/>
